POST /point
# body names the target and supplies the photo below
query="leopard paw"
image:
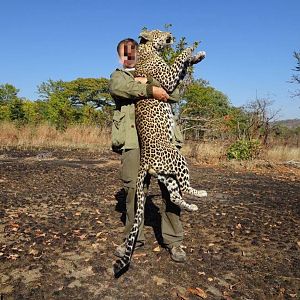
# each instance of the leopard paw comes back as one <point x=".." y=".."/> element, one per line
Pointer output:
<point x="202" y="193"/>
<point x="198" y="57"/>
<point x="192" y="207"/>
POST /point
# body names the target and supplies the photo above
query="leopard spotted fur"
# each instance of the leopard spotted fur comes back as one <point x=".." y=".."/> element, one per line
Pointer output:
<point x="159" y="156"/>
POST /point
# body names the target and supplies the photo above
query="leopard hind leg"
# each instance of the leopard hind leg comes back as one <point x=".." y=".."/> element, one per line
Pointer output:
<point x="175" y="195"/>
<point x="183" y="179"/>
<point x="197" y="193"/>
<point x="122" y="265"/>
<point x="185" y="187"/>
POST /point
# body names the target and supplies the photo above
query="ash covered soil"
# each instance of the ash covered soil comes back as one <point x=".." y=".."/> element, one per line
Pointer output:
<point x="61" y="219"/>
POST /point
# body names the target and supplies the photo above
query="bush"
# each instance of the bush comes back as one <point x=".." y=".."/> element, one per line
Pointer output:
<point x="16" y="112"/>
<point x="244" y="150"/>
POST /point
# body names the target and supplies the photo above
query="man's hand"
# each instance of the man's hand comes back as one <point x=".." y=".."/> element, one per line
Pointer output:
<point x="141" y="79"/>
<point x="160" y="94"/>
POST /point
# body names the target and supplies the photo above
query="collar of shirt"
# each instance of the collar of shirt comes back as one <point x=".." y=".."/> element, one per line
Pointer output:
<point x="129" y="69"/>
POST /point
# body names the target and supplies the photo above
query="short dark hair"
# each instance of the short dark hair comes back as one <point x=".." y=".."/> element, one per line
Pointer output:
<point x="126" y="41"/>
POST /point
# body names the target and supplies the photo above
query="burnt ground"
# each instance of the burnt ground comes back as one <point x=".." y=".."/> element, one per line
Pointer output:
<point x="60" y="221"/>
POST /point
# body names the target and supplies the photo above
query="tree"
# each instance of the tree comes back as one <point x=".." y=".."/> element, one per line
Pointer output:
<point x="203" y="109"/>
<point x="33" y="112"/>
<point x="8" y="93"/>
<point x="260" y="120"/>
<point x="11" y="106"/>
<point x="4" y="113"/>
<point x="16" y="111"/>
<point x="93" y="91"/>
<point x="236" y="122"/>
<point x="76" y="101"/>
<point x="46" y="89"/>
<point x="205" y="101"/>
<point x="59" y="111"/>
<point x="296" y="77"/>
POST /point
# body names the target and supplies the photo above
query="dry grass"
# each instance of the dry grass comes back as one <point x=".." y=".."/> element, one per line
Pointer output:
<point x="213" y="153"/>
<point x="204" y="152"/>
<point x="45" y="136"/>
<point x="283" y="153"/>
<point x="94" y="138"/>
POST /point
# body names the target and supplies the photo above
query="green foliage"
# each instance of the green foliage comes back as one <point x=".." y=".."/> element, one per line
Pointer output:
<point x="59" y="111"/>
<point x="88" y="90"/>
<point x="286" y="135"/>
<point x="40" y="111"/>
<point x="7" y="93"/>
<point x="16" y="111"/>
<point x="80" y="91"/>
<point x="203" y="111"/>
<point x="90" y="116"/>
<point x="205" y="101"/>
<point x="32" y="112"/>
<point x="244" y="150"/>
<point x="11" y="106"/>
<point x="46" y="89"/>
<point x="81" y="101"/>
<point x="4" y="113"/>
<point x="236" y="122"/>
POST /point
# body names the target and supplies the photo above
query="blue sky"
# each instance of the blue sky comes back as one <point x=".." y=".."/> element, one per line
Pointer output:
<point x="249" y="44"/>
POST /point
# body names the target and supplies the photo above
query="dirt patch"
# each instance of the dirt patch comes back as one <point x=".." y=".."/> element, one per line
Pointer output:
<point x="60" y="221"/>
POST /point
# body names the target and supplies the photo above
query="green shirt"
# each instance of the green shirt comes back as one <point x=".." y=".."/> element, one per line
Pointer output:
<point x="126" y="91"/>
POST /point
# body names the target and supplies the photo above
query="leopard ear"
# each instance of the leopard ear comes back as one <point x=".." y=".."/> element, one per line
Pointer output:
<point x="145" y="35"/>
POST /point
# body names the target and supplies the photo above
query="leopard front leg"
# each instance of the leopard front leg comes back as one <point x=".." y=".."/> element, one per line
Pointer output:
<point x="171" y="77"/>
<point x="197" y="58"/>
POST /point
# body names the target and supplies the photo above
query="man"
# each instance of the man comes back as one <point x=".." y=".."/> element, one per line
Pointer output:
<point x="126" y="90"/>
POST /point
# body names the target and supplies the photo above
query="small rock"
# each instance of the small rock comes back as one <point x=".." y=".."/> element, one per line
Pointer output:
<point x="44" y="155"/>
<point x="3" y="278"/>
<point x="159" y="280"/>
<point x="75" y="283"/>
<point x="213" y="290"/>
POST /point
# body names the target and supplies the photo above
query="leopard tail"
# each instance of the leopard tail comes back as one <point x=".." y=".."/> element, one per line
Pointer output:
<point x="122" y="265"/>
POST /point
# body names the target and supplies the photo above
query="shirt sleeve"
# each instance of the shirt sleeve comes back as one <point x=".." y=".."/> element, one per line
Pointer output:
<point x="122" y="85"/>
<point x="174" y="96"/>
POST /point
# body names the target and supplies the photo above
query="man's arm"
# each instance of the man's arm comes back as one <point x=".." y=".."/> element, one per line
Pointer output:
<point x="125" y="86"/>
<point x="174" y="97"/>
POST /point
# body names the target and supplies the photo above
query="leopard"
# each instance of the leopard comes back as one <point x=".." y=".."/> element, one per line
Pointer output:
<point x="154" y="122"/>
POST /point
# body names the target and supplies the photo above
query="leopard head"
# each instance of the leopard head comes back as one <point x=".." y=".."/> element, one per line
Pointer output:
<point x="158" y="39"/>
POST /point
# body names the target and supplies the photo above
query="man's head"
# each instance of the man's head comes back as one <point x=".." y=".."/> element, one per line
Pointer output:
<point x="127" y="50"/>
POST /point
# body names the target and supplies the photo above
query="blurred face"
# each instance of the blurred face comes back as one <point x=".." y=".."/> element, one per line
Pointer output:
<point x="128" y="54"/>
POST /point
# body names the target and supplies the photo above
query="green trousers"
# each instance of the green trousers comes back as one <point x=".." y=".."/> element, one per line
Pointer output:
<point x="171" y="227"/>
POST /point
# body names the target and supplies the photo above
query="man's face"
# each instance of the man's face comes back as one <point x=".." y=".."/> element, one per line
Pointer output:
<point x="128" y="54"/>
